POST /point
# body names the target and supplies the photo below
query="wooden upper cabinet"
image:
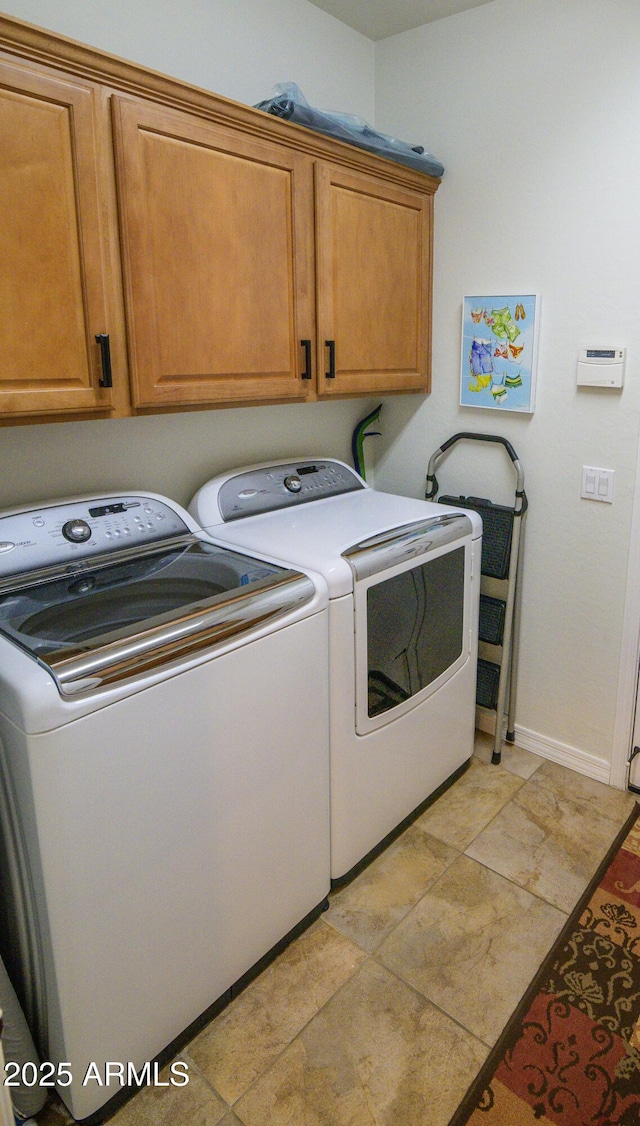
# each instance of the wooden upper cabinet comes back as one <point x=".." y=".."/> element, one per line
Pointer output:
<point x="373" y="247"/>
<point x="52" y="286"/>
<point x="229" y="257"/>
<point x="216" y="238"/>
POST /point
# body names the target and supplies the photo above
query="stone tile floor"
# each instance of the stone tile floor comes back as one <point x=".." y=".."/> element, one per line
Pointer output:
<point x="382" y="1012"/>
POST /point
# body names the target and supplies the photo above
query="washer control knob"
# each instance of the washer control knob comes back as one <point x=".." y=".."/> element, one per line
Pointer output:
<point x="293" y="483"/>
<point x="76" y="531"/>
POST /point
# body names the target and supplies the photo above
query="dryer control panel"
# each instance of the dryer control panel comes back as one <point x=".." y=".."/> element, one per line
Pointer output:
<point x="267" y="488"/>
<point x="76" y="530"/>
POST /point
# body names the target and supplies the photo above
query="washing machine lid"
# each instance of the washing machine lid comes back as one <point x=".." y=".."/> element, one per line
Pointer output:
<point x="325" y="533"/>
<point x="93" y="619"/>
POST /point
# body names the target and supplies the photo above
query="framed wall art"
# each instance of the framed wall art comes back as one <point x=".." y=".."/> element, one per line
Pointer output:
<point x="499" y="351"/>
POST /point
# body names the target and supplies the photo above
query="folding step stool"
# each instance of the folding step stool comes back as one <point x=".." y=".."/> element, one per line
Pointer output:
<point x="501" y="571"/>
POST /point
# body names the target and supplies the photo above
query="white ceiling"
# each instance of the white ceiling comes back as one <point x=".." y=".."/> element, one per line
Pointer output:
<point x="378" y="19"/>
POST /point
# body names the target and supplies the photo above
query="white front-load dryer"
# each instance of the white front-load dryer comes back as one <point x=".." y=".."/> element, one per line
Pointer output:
<point x="404" y="580"/>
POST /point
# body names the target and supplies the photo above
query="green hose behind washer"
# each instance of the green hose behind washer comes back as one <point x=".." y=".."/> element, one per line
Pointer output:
<point x="358" y="437"/>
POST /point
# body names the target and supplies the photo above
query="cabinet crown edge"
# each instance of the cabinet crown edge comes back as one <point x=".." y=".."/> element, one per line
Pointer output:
<point x="36" y="44"/>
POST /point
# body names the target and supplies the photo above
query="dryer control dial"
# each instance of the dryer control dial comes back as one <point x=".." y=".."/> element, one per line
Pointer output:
<point x="76" y="531"/>
<point x="293" y="483"/>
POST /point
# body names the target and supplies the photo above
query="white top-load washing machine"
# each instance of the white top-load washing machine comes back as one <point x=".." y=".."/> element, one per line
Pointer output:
<point x="164" y="776"/>
<point x="404" y="580"/>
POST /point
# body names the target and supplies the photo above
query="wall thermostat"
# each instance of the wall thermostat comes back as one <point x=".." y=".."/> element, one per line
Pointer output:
<point x="601" y="367"/>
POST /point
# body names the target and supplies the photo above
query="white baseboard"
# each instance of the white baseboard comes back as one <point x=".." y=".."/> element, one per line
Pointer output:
<point x="562" y="753"/>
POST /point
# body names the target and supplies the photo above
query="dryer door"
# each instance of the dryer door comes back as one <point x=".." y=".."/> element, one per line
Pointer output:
<point x="413" y="620"/>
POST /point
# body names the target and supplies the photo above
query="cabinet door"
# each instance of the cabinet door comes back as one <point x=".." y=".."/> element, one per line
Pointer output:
<point x="52" y="289"/>
<point x="374" y="284"/>
<point x="216" y="232"/>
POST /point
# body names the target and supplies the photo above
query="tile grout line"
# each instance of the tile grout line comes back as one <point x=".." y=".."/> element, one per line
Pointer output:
<point x="192" y="1064"/>
<point x="231" y="1106"/>
<point x="422" y="997"/>
<point x="373" y="957"/>
<point x="426" y="891"/>
<point x="523" y="782"/>
<point x="535" y="894"/>
<point x="582" y="803"/>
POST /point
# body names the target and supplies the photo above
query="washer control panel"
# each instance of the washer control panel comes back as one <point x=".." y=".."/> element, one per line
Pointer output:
<point x="268" y="488"/>
<point x="75" y="530"/>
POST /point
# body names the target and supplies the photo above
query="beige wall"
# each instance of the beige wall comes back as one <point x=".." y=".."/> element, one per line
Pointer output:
<point x="534" y="110"/>
<point x="240" y="50"/>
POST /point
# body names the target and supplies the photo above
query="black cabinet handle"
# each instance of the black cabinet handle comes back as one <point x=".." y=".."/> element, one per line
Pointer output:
<point x="306" y="344"/>
<point x="331" y="373"/>
<point x="102" y="338"/>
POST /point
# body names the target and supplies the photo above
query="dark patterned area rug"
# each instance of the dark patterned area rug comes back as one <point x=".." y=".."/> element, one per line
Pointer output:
<point x="570" y="1054"/>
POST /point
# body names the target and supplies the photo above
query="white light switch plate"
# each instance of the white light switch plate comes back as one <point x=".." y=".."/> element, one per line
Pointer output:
<point x="597" y="484"/>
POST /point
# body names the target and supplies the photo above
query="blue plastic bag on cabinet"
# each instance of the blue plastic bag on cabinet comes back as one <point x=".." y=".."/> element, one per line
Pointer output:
<point x="290" y="103"/>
